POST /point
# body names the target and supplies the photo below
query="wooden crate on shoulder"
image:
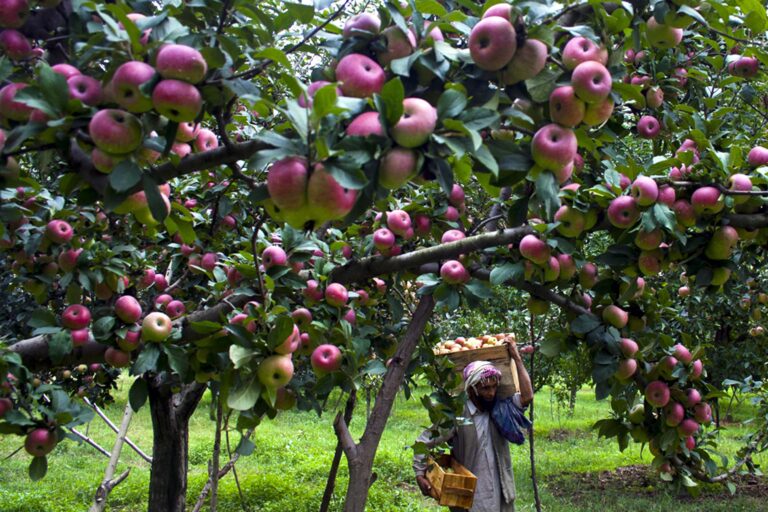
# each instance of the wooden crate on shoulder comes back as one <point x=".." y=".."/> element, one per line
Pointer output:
<point x="453" y="484"/>
<point x="499" y="357"/>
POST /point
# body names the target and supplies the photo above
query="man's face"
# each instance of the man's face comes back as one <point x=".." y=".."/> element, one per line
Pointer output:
<point x="485" y="394"/>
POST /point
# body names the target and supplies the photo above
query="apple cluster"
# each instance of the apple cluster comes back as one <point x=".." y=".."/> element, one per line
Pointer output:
<point x="473" y="343"/>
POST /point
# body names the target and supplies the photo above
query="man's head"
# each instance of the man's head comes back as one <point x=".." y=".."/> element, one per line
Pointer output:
<point x="481" y="381"/>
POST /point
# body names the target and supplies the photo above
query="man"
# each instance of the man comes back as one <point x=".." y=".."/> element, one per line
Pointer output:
<point x="479" y="446"/>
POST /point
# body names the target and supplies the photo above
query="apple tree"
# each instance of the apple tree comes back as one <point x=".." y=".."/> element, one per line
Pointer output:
<point x="272" y="200"/>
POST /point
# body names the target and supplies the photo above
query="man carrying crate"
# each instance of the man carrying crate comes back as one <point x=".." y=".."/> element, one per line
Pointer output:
<point x="481" y="446"/>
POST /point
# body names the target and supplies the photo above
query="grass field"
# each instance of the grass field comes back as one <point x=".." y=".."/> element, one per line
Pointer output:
<point x="287" y="471"/>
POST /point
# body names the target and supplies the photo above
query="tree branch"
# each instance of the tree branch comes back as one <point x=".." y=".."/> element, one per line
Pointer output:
<point x="357" y="271"/>
<point x="114" y="428"/>
<point x="345" y="438"/>
<point x="107" y="484"/>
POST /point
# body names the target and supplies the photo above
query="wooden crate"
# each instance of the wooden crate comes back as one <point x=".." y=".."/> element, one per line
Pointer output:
<point x="451" y="489"/>
<point x="499" y="357"/>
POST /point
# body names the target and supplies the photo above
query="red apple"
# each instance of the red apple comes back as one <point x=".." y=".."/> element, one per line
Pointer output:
<point x="453" y="272"/>
<point x="181" y="62"/>
<point x="707" y="201"/>
<point x="128" y="309"/>
<point x="365" y="124"/>
<point x="117" y="358"/>
<point x="40" y="442"/>
<point x="115" y="131"/>
<point x="615" y="316"/>
<point x="336" y="295"/>
<point x="176" y="100"/>
<point x="367" y="23"/>
<point x="326" y="358"/>
<point x="126" y="86"/>
<point x="648" y="127"/>
<point x="399" y="44"/>
<point x="175" y="309"/>
<point x="591" y="81"/>
<point x="86" y="89"/>
<point x="623" y="212"/>
<point x="291" y="343"/>
<point x="59" y="231"/>
<point x="534" y="249"/>
<point x="397" y="166"/>
<point x="529" y="60"/>
<point x="9" y="107"/>
<point x="657" y="393"/>
<point x="565" y="108"/>
<point x="359" y="75"/>
<point x="581" y="49"/>
<point x="287" y="183"/>
<point x="673" y="414"/>
<point x="328" y="199"/>
<point x="553" y="147"/>
<point x="417" y="123"/>
<point x="275" y="371"/>
<point x="492" y="43"/>
<point x="13" y="13"/>
<point x="15" y="44"/>
<point x="156" y="326"/>
<point x="76" y="317"/>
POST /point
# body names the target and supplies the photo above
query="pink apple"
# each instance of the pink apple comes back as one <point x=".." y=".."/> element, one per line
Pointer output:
<point x="598" y="113"/>
<point x="623" y="212"/>
<point x="627" y="368"/>
<point x="534" y="249"/>
<point x="117" y="358"/>
<point x="757" y="156"/>
<point x="648" y="127"/>
<point x="15" y="44"/>
<point x="397" y="166"/>
<point x="336" y="295"/>
<point x="682" y="353"/>
<point x="417" y="123"/>
<point x="399" y="222"/>
<point x="553" y="146"/>
<point x="383" y="240"/>
<point x="161" y="283"/>
<point x="740" y="183"/>
<point x="128" y="309"/>
<point x="272" y="256"/>
<point x="364" y="22"/>
<point x="688" y="427"/>
<point x="312" y="292"/>
<point x="628" y="347"/>
<point x="565" y="108"/>
<point x="745" y="67"/>
<point x="176" y="100"/>
<point x="666" y="195"/>
<point x="567" y="266"/>
<point x="662" y="36"/>
<point x="9" y="107"/>
<point x="591" y="81"/>
<point x="645" y="190"/>
<point x="65" y="70"/>
<point x="59" y="231"/>
<point x="657" y="393"/>
<point x="453" y="272"/>
<point x="80" y="336"/>
<point x="692" y="397"/>
<point x="5" y="405"/>
<point x="707" y="201"/>
<point x="302" y="317"/>
<point x="287" y="183"/>
<point x="86" y="89"/>
<point x="529" y="60"/>
<point x="399" y="44"/>
<point x="326" y="358"/>
<point x="13" y="13"/>
<point x="175" y="309"/>
<point x="359" y="75"/>
<point x="291" y="343"/>
<point x="365" y="124"/>
<point x="275" y="371"/>
<point x="503" y="10"/>
<point x="156" y="326"/>
<point x="40" y="442"/>
<point x="126" y="86"/>
<point x="615" y="316"/>
<point x="697" y="367"/>
<point x="452" y="235"/>
<point x="492" y="43"/>
<point x="702" y="412"/>
<point x="328" y="199"/>
<point x="130" y="341"/>
<point x="673" y="414"/>
<point x="649" y="240"/>
<point x="181" y="62"/>
<point x="581" y="49"/>
<point x="115" y="131"/>
<point x="76" y="317"/>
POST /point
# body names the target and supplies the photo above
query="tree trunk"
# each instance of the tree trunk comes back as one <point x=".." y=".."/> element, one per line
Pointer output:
<point x="360" y="456"/>
<point x="330" y="484"/>
<point x="572" y="400"/>
<point x="170" y="424"/>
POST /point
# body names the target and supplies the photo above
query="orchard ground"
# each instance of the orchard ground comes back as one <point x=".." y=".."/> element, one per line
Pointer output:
<point x="287" y="471"/>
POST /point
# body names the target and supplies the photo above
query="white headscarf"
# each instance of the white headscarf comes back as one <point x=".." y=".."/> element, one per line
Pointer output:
<point x="479" y="371"/>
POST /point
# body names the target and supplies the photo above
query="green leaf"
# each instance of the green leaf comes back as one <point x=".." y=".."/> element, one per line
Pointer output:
<point x="137" y="396"/>
<point x="240" y="356"/>
<point x="245" y="394"/>
<point x="392" y="95"/>
<point x="479" y="289"/>
<point x="147" y="360"/>
<point x="53" y="87"/>
<point x="59" y="345"/>
<point x="245" y="447"/>
<point x="42" y="318"/>
<point x="298" y="117"/>
<point x="542" y="85"/>
<point x="38" y="468"/>
<point x="374" y="367"/>
<point x="584" y="324"/>
<point x="280" y="331"/>
<point x="125" y="175"/>
<point x="548" y="192"/>
<point x="551" y="347"/>
<point x="479" y="118"/>
<point x="302" y="12"/>
<point x="506" y="272"/>
<point x="484" y="156"/>
<point x="206" y="327"/>
<point x="451" y="104"/>
<point x="177" y="359"/>
<point x="430" y="7"/>
<point x="154" y="198"/>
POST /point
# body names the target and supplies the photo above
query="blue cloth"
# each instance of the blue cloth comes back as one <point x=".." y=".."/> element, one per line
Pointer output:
<point x="510" y="419"/>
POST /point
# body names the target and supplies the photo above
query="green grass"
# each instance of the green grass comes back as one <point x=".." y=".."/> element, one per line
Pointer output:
<point x="288" y="468"/>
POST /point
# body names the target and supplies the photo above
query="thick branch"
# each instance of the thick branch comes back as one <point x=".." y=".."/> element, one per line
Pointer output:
<point x="357" y="271"/>
<point x="748" y="221"/>
<point x="345" y="438"/>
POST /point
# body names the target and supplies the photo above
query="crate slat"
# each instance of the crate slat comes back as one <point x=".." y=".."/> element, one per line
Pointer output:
<point x="499" y="357"/>
<point x="455" y="489"/>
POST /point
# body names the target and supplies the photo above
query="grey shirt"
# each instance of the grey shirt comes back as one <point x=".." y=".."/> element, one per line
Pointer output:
<point x="481" y="449"/>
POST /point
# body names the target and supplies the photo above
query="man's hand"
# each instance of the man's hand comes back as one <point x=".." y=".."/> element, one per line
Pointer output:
<point x="425" y="486"/>
<point x="513" y="352"/>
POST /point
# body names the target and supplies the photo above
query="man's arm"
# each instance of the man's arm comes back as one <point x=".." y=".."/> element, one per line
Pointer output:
<point x="526" y="389"/>
<point x="420" y="460"/>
